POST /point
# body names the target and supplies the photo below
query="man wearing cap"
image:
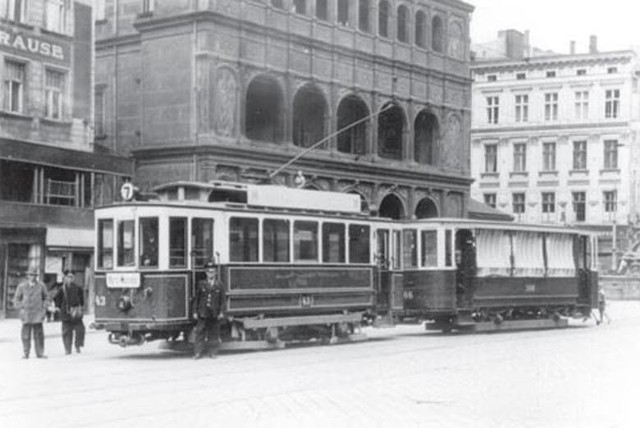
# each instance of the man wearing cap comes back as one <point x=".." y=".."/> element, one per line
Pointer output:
<point x="70" y="300"/>
<point x="209" y="311"/>
<point x="32" y="300"/>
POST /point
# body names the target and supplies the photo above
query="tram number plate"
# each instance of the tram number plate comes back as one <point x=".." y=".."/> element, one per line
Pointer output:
<point x="306" y="301"/>
<point x="530" y="288"/>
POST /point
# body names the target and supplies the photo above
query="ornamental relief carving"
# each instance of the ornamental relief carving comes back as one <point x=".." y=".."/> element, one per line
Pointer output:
<point x="225" y="103"/>
<point x="452" y="148"/>
<point x="456" y="40"/>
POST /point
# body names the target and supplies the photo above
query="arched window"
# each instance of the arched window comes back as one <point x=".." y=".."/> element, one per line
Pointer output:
<point x="403" y="23"/>
<point x="391" y="207"/>
<point x="352" y="139"/>
<point x="426" y="208"/>
<point x="437" y="34"/>
<point x="277" y="3"/>
<point x="322" y="10"/>
<point x="421" y="29"/>
<point x="264" y="112"/>
<point x="383" y="18"/>
<point x="426" y="133"/>
<point x="343" y="12"/>
<point x="309" y="114"/>
<point x="391" y="126"/>
<point x="364" y="23"/>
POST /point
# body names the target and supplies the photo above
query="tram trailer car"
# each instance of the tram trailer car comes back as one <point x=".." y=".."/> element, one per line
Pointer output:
<point x="289" y="273"/>
<point x="485" y="276"/>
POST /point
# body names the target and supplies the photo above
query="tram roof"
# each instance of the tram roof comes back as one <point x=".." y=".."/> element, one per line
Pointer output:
<point x="504" y="225"/>
<point x="259" y="195"/>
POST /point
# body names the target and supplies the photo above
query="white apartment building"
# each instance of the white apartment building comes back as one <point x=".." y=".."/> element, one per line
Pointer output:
<point x="555" y="138"/>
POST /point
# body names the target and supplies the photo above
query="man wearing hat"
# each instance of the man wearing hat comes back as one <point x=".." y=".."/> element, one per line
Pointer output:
<point x="32" y="300"/>
<point x="209" y="311"/>
<point x="70" y="300"/>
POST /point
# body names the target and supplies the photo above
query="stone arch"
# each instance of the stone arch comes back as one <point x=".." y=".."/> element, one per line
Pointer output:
<point x="426" y="208"/>
<point x="426" y="137"/>
<point x="309" y="116"/>
<point x="437" y="34"/>
<point x="392" y="207"/>
<point x="391" y="130"/>
<point x="353" y="139"/>
<point x="264" y="110"/>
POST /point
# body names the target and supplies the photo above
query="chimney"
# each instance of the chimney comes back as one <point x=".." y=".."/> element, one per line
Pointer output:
<point x="593" y="44"/>
<point x="572" y="48"/>
<point x="527" y="44"/>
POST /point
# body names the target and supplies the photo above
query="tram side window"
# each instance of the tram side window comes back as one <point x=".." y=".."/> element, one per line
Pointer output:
<point x="305" y="241"/>
<point x="201" y="241"/>
<point x="243" y="239"/>
<point x="429" y="248"/>
<point x="359" y="243"/>
<point x="105" y="244"/>
<point x="275" y="240"/>
<point x="409" y="248"/>
<point x="178" y="242"/>
<point x="448" y="248"/>
<point x="126" y="242"/>
<point x="149" y="242"/>
<point x="333" y="243"/>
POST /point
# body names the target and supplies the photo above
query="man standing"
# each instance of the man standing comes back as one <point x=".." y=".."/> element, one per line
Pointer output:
<point x="209" y="311"/>
<point x="31" y="299"/>
<point x="70" y="301"/>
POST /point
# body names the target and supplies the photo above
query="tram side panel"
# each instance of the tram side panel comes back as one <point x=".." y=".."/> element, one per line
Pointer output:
<point x="429" y="293"/>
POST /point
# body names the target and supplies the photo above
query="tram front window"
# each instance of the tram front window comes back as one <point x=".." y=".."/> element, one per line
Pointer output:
<point x="126" y="242"/>
<point x="149" y="242"/>
<point x="429" y="248"/>
<point x="333" y="243"/>
<point x="359" y="243"/>
<point x="275" y="240"/>
<point x="201" y="241"/>
<point x="305" y="241"/>
<point x="177" y="242"/>
<point x="105" y="244"/>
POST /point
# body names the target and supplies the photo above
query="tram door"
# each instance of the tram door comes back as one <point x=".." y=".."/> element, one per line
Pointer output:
<point x="389" y="277"/>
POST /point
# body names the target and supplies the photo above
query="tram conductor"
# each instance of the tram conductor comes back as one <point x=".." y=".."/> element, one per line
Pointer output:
<point x="209" y="312"/>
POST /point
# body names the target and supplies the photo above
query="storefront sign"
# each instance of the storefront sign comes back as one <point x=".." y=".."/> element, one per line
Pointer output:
<point x="32" y="45"/>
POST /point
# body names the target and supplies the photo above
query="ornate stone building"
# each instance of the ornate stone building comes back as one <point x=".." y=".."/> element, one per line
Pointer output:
<point x="234" y="89"/>
<point x="50" y="176"/>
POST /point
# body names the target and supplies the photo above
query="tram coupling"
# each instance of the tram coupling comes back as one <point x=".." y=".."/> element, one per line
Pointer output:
<point x="125" y="340"/>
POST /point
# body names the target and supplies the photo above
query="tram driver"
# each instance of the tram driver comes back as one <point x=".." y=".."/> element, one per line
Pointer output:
<point x="209" y="312"/>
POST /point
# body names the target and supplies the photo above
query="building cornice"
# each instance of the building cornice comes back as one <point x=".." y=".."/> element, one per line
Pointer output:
<point x="496" y="65"/>
<point x="578" y="127"/>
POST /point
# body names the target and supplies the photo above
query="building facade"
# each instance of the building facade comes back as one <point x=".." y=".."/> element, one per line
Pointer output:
<point x="237" y="89"/>
<point x="555" y="139"/>
<point x="50" y="176"/>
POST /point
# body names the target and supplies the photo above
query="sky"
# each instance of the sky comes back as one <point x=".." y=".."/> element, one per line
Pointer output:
<point x="553" y="24"/>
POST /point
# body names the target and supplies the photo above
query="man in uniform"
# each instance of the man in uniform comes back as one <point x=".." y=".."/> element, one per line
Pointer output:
<point x="209" y="311"/>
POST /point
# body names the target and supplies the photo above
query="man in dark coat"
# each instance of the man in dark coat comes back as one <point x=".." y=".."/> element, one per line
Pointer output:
<point x="31" y="299"/>
<point x="70" y="301"/>
<point x="209" y="311"/>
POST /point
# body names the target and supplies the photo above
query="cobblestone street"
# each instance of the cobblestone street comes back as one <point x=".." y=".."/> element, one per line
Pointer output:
<point x="584" y="376"/>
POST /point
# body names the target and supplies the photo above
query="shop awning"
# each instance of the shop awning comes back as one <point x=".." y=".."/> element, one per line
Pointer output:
<point x="66" y="237"/>
<point x="41" y="154"/>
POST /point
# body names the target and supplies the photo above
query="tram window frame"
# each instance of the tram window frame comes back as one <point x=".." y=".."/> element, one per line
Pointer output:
<point x="311" y="247"/>
<point x="333" y="242"/>
<point x="429" y="248"/>
<point x="410" y="248"/>
<point x="359" y="243"/>
<point x="244" y="239"/>
<point x="105" y="259"/>
<point x="148" y="234"/>
<point x="275" y="247"/>
<point x="397" y="250"/>
<point x="449" y="246"/>
<point x="201" y="241"/>
<point x="178" y="242"/>
<point x="125" y="254"/>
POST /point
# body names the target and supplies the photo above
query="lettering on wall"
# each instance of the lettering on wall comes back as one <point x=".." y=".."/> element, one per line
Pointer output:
<point x="33" y="45"/>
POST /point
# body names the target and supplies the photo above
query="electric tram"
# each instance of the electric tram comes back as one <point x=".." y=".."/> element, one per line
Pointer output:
<point x="301" y="265"/>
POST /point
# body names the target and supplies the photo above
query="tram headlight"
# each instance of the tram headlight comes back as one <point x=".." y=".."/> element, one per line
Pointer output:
<point x="124" y="303"/>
